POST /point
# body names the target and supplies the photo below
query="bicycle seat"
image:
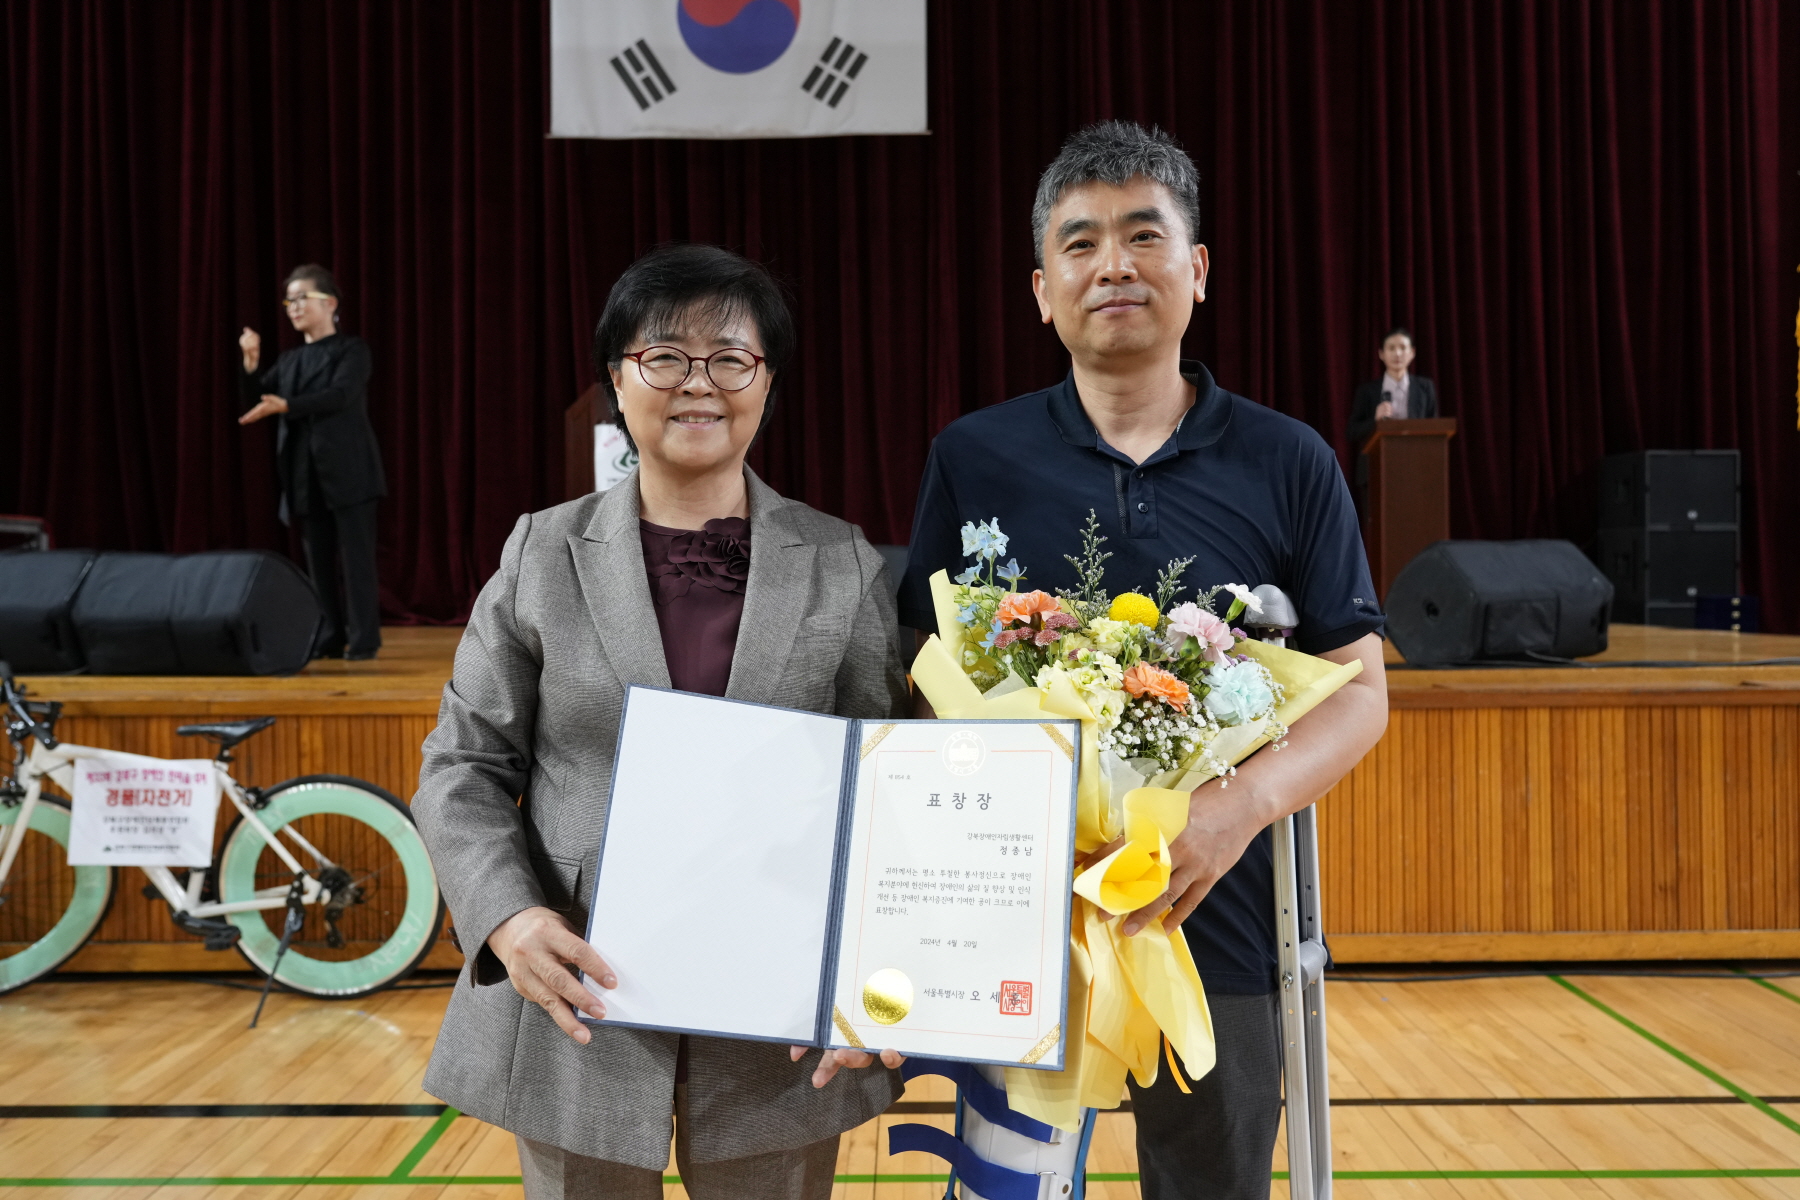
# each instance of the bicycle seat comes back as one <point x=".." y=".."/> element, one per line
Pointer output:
<point x="227" y="733"/>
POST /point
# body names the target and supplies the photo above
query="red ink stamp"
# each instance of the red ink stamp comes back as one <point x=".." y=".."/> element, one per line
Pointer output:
<point x="1015" y="998"/>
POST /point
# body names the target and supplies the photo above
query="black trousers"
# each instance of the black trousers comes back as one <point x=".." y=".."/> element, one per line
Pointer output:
<point x="340" y="557"/>
<point x="1217" y="1143"/>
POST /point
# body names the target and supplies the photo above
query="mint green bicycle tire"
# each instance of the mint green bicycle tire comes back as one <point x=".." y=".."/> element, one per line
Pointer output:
<point x="88" y="901"/>
<point x="303" y="968"/>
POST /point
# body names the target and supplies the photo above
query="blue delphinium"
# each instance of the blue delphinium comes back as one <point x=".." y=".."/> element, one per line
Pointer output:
<point x="1237" y="692"/>
<point x="983" y="539"/>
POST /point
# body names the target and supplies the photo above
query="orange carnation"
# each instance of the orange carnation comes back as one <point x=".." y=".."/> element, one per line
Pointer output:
<point x="1022" y="606"/>
<point x="1144" y="679"/>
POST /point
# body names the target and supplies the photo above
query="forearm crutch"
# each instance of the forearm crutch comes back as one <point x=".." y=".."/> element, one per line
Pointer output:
<point x="1301" y="959"/>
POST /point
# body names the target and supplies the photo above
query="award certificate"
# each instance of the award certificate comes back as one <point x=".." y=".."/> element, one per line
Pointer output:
<point x="794" y="877"/>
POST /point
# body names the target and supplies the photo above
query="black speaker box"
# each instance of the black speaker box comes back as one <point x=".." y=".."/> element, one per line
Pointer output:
<point x="1469" y="601"/>
<point x="239" y="612"/>
<point x="37" y="590"/>
<point x="1660" y="573"/>
<point x="1668" y="531"/>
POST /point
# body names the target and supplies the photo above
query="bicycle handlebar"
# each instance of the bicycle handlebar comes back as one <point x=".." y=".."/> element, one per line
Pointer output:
<point x="27" y="713"/>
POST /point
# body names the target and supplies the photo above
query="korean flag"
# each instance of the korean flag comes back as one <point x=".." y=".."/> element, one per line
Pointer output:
<point x="736" y="68"/>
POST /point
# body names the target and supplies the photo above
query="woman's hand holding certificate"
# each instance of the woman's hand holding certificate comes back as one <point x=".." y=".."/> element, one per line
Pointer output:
<point x="537" y="947"/>
<point x="832" y="1060"/>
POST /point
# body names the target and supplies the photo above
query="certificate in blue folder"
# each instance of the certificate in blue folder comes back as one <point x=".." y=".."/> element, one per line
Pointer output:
<point x="794" y="877"/>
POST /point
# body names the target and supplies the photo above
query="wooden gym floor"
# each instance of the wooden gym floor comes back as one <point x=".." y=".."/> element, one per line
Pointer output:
<point x="1536" y="1085"/>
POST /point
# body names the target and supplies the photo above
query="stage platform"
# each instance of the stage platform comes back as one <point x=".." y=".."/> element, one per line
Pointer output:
<point x="1608" y="811"/>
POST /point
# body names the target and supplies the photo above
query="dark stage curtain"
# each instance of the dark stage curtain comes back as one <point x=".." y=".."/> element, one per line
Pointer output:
<point x="1585" y="211"/>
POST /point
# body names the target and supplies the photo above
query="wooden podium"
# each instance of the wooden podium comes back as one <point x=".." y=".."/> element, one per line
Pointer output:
<point x="579" y="420"/>
<point x="1409" y="493"/>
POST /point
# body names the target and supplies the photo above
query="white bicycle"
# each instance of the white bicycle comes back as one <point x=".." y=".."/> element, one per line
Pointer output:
<point x="322" y="882"/>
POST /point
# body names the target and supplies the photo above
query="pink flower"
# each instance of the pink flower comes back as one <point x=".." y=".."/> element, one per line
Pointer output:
<point x="1038" y="619"/>
<point x="1214" y="636"/>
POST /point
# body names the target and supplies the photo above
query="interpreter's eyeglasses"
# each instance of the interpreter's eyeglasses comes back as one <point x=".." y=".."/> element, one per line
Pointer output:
<point x="300" y="300"/>
<point x="667" y="368"/>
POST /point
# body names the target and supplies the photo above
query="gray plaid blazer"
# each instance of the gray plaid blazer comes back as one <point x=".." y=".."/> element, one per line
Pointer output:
<point x="512" y="800"/>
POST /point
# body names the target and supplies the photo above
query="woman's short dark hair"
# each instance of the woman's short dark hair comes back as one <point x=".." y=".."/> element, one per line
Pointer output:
<point x="321" y="279"/>
<point x="664" y="292"/>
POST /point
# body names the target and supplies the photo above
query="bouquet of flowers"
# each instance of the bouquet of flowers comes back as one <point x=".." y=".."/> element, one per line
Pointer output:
<point x="1163" y="680"/>
<point x="1170" y="694"/>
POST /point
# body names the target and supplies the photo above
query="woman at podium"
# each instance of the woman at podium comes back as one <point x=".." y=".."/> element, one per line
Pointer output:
<point x="1397" y="395"/>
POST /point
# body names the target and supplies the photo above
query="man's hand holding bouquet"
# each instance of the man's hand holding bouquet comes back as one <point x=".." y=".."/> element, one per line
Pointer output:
<point x="1170" y="695"/>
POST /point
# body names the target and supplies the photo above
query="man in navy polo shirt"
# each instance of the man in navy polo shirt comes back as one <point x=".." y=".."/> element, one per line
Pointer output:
<point x="1175" y="467"/>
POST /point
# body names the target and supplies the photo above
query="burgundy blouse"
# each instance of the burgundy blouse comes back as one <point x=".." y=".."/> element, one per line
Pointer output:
<point x="697" y="580"/>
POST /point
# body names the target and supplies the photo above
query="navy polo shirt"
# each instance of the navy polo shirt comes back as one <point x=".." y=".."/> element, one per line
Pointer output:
<point x="1250" y="495"/>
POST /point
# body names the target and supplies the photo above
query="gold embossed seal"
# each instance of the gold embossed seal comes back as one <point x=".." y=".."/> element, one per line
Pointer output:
<point x="887" y="996"/>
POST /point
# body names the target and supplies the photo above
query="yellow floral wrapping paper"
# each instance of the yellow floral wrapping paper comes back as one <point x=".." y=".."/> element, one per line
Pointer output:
<point x="1125" y="994"/>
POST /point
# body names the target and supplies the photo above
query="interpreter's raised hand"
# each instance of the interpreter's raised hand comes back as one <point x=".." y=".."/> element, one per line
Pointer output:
<point x="833" y="1061"/>
<point x="537" y="947"/>
<point x="268" y="406"/>
<point x="250" y="342"/>
<point x="1217" y="834"/>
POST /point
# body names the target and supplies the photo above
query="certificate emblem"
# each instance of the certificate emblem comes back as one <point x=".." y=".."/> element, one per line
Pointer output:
<point x="888" y="996"/>
<point x="964" y="752"/>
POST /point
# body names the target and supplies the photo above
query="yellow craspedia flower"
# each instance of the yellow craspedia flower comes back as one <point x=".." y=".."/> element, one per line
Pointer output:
<point x="1135" y="608"/>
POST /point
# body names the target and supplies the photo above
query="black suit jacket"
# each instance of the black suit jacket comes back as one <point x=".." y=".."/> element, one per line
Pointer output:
<point x="325" y="436"/>
<point x="1368" y="399"/>
<point x="1362" y="415"/>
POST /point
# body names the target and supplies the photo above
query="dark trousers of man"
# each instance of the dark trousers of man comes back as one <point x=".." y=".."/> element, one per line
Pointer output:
<point x="340" y="557"/>
<point x="1216" y="1143"/>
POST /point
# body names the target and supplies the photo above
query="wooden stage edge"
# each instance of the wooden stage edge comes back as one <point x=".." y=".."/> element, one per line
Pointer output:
<point x="190" y="957"/>
<point x="1356" y="948"/>
<point x="1645" y="805"/>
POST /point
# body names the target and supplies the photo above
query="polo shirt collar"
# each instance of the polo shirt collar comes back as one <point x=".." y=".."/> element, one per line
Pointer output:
<point x="1203" y="425"/>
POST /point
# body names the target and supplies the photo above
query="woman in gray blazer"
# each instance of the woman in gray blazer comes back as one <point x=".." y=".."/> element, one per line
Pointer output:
<point x="691" y="573"/>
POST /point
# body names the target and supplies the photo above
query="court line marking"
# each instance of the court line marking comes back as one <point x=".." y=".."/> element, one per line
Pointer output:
<point x="258" y="1112"/>
<point x="1093" y="1177"/>
<point x="1780" y="991"/>
<point x="58" y="1112"/>
<point x="423" y="1146"/>
<point x="402" y="1173"/>
<point x="1756" y="1102"/>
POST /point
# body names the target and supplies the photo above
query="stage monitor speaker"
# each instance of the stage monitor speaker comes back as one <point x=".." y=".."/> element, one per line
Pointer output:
<point x="1461" y="602"/>
<point x="238" y="612"/>
<point x="37" y="590"/>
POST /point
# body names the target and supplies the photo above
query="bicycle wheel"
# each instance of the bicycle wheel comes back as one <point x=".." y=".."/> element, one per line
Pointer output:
<point x="48" y="909"/>
<point x="395" y="911"/>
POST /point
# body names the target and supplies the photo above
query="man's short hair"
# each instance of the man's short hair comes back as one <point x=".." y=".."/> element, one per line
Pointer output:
<point x="684" y="282"/>
<point x="1396" y="331"/>
<point x="321" y="279"/>
<point x="1114" y="152"/>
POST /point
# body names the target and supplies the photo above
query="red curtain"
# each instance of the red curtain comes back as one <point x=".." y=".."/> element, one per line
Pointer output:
<point x="1585" y="211"/>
